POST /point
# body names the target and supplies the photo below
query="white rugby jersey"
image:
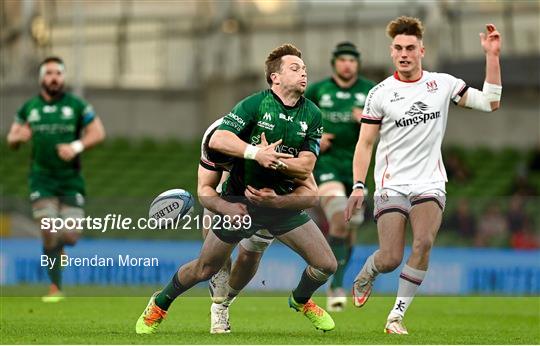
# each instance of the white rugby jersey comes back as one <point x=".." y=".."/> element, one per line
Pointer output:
<point x="413" y="118"/>
<point x="213" y="160"/>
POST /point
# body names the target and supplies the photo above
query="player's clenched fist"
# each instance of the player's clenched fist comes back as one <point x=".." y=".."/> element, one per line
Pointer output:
<point x="355" y="201"/>
<point x="65" y="152"/>
<point x="25" y="133"/>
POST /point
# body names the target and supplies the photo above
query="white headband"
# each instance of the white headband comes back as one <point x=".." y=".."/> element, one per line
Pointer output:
<point x="43" y="69"/>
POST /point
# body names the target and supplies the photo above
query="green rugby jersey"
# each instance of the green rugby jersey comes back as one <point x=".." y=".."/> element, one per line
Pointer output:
<point x="336" y="104"/>
<point x="299" y="126"/>
<point x="52" y="123"/>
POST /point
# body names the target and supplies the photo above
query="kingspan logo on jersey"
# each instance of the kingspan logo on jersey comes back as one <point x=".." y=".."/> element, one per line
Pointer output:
<point x="417" y="114"/>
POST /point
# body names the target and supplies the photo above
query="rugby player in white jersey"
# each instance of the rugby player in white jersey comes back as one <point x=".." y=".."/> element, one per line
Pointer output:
<point x="409" y="112"/>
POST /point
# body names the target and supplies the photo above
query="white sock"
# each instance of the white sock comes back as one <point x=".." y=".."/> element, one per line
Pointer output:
<point x="369" y="267"/>
<point x="231" y="296"/>
<point x="409" y="281"/>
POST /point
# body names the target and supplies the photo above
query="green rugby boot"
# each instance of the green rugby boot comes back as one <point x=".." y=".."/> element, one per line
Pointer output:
<point x="314" y="313"/>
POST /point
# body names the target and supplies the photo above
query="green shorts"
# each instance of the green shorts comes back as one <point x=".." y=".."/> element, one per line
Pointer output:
<point x="69" y="189"/>
<point x="276" y="221"/>
<point x="326" y="173"/>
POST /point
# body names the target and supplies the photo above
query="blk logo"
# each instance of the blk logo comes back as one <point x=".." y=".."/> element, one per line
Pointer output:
<point x="285" y="117"/>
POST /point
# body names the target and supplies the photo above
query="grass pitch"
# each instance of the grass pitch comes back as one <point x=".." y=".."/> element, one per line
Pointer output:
<point x="268" y="320"/>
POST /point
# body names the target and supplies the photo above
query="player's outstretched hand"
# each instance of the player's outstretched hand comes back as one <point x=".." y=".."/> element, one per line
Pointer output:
<point x="268" y="157"/>
<point x="491" y="40"/>
<point x="65" y="152"/>
<point x="355" y="201"/>
<point x="264" y="197"/>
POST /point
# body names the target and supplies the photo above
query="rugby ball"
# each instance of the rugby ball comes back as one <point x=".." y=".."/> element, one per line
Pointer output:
<point x="170" y="206"/>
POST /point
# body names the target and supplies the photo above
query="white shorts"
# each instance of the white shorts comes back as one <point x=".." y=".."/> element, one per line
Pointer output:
<point x="402" y="198"/>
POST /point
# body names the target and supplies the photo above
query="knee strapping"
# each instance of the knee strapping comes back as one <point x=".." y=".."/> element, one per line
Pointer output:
<point x="317" y="274"/>
<point x="336" y="203"/>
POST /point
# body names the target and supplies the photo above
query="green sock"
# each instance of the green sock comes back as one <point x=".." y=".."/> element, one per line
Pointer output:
<point x="350" y="250"/>
<point x="55" y="273"/>
<point x="306" y="287"/>
<point x="339" y="248"/>
<point x="173" y="289"/>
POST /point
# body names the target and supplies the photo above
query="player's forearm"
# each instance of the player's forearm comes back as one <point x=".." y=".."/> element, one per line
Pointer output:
<point x="93" y="134"/>
<point x="301" y="198"/>
<point x="210" y="199"/>
<point x="300" y="167"/>
<point x="228" y="143"/>
<point x="297" y="168"/>
<point x="493" y="69"/>
<point x="361" y="160"/>
<point x="493" y="75"/>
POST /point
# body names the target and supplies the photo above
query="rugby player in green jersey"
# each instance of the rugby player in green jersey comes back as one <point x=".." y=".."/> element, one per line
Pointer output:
<point x="283" y="117"/>
<point x="341" y="99"/>
<point x="214" y="169"/>
<point x="60" y="127"/>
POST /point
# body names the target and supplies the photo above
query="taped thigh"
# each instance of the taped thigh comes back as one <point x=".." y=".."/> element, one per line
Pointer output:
<point x="45" y="208"/>
<point x="333" y="199"/>
<point x="257" y="242"/>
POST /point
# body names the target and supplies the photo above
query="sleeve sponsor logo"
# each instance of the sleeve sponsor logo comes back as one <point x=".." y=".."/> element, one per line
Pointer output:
<point x="234" y="121"/>
<point x="88" y="111"/>
<point x="369" y="101"/>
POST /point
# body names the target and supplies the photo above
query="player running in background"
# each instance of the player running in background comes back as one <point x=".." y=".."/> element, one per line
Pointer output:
<point x="60" y="126"/>
<point x="227" y="284"/>
<point x="409" y="111"/>
<point x="341" y="99"/>
<point x="294" y="126"/>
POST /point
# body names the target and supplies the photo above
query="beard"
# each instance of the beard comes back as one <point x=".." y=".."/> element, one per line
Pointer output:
<point x="346" y="77"/>
<point x="53" y="89"/>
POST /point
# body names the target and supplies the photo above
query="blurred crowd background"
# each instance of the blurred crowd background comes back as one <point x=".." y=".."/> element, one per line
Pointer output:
<point x="159" y="72"/>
